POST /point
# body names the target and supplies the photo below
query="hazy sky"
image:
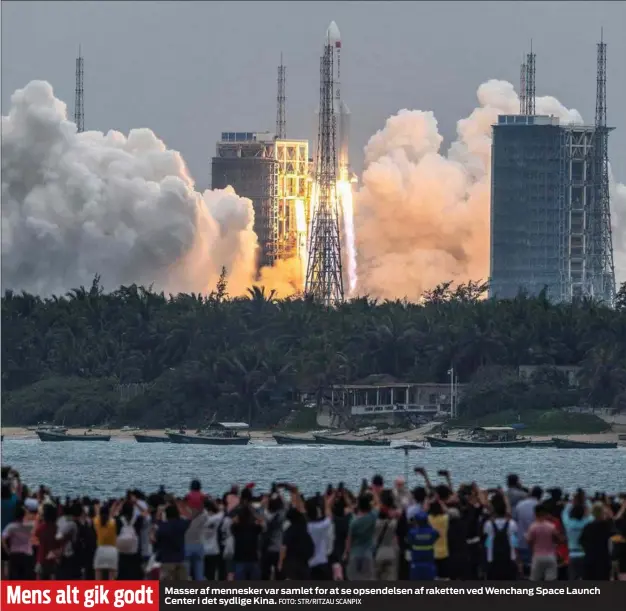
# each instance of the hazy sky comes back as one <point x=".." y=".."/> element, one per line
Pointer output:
<point x="191" y="70"/>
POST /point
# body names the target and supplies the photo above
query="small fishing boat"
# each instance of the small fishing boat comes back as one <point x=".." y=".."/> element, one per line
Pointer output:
<point x="570" y="444"/>
<point x="441" y="442"/>
<point x="141" y="438"/>
<point x="218" y="434"/>
<point x="351" y="441"/>
<point x="483" y="437"/>
<point x="293" y="440"/>
<point x="546" y="443"/>
<point x="47" y="427"/>
<point x="53" y="436"/>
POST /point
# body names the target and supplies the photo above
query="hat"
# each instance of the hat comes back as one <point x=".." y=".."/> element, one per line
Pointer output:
<point x="31" y="505"/>
<point x="415" y="512"/>
<point x="250" y="485"/>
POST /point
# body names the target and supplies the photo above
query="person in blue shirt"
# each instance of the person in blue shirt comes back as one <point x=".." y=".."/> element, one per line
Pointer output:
<point x="420" y="542"/>
<point x="575" y="517"/>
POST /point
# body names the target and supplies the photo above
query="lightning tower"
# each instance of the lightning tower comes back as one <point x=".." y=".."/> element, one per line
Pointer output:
<point x="79" y="109"/>
<point x="281" y="125"/>
<point x="530" y="82"/>
<point x="324" y="274"/>
<point x="602" y="246"/>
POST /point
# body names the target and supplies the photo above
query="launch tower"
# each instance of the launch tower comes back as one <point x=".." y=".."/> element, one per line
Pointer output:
<point x="324" y="276"/>
<point x="550" y="212"/>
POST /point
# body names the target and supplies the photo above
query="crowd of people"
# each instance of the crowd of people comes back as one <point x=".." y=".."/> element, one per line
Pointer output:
<point x="376" y="533"/>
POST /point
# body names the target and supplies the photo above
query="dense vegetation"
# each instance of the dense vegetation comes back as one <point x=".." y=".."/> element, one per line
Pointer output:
<point x="63" y="358"/>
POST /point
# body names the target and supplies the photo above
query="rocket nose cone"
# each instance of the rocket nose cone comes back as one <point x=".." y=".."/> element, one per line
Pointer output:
<point x="332" y="33"/>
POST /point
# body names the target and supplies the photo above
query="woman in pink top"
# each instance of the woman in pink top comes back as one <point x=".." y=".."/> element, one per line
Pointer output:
<point x="17" y="543"/>
<point x="543" y="537"/>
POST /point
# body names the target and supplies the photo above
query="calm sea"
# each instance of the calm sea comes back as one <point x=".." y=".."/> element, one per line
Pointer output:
<point x="109" y="469"/>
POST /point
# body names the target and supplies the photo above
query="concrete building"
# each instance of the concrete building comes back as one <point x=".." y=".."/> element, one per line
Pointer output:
<point x="546" y="229"/>
<point x="394" y="402"/>
<point x="275" y="175"/>
<point x="246" y="161"/>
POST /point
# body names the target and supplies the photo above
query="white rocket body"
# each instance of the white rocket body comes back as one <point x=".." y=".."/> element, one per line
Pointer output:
<point x="341" y="110"/>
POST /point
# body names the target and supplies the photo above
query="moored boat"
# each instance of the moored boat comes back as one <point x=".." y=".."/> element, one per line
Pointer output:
<point x="443" y="442"/>
<point x="286" y="440"/>
<point x="545" y="443"/>
<point x="212" y="440"/>
<point x="53" y="436"/>
<point x="351" y="441"/>
<point x="151" y="438"/>
<point x="570" y="444"/>
<point x="218" y="434"/>
<point x="47" y="427"/>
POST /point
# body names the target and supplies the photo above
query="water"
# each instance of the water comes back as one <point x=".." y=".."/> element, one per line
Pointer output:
<point x="109" y="469"/>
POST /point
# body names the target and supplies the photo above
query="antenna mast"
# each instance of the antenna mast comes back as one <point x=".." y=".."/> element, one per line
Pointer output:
<point x="281" y="127"/>
<point x="79" y="101"/>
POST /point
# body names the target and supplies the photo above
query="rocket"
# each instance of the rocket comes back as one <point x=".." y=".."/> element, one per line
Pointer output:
<point x="342" y="112"/>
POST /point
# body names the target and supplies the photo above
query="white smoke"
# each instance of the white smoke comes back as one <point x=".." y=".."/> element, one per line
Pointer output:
<point x="76" y="205"/>
<point x="422" y="217"/>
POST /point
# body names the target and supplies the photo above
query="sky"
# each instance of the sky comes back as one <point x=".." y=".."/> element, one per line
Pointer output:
<point x="190" y="70"/>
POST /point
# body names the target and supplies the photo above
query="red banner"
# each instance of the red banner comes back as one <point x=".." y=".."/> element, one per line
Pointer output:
<point x="93" y="595"/>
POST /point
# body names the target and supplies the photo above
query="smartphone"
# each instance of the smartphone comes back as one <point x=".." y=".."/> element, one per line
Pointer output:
<point x="443" y="473"/>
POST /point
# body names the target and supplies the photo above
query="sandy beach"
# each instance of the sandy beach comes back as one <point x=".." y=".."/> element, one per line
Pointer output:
<point x="266" y="435"/>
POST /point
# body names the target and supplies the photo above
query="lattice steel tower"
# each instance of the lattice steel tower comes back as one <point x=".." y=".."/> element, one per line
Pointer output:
<point x="79" y="101"/>
<point x="281" y="124"/>
<point x="522" y="90"/>
<point x="602" y="246"/>
<point x="324" y="275"/>
<point x="530" y="82"/>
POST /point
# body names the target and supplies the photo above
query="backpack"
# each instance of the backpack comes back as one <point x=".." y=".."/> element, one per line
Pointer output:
<point x="501" y="550"/>
<point x="127" y="540"/>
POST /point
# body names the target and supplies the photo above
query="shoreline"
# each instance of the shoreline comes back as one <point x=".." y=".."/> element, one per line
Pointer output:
<point x="21" y="433"/>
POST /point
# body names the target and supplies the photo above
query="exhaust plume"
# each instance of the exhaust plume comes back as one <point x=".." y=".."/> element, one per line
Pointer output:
<point x="79" y="204"/>
<point x="422" y="217"/>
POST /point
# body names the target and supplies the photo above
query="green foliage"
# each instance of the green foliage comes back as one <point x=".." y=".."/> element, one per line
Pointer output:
<point x="246" y="358"/>
<point x="542" y="422"/>
<point x="69" y="401"/>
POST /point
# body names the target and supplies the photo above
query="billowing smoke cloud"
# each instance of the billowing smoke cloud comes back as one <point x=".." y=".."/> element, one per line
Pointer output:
<point x="422" y="217"/>
<point x="75" y="205"/>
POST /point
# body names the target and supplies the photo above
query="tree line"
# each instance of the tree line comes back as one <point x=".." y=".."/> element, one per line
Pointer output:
<point x="250" y="358"/>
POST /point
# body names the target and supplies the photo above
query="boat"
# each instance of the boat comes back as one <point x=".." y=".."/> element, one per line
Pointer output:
<point x="218" y="434"/>
<point x="351" y="441"/>
<point x="442" y="442"/>
<point x="293" y="440"/>
<point x="483" y="437"/>
<point x="53" y="436"/>
<point x="53" y="428"/>
<point x="570" y="444"/>
<point x="141" y="438"/>
<point x="545" y="443"/>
